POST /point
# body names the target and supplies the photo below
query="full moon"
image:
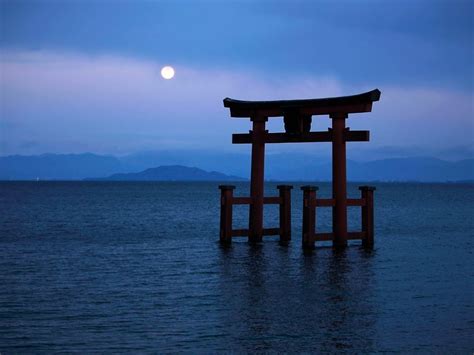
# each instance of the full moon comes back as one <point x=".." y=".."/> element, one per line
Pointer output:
<point x="167" y="72"/>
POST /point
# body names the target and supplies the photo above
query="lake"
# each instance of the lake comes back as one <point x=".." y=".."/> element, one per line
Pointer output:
<point x="112" y="267"/>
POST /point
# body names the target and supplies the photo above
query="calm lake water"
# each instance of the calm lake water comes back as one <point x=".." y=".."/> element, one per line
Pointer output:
<point x="95" y="267"/>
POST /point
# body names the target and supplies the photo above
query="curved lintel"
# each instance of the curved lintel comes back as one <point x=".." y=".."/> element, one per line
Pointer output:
<point x="343" y="104"/>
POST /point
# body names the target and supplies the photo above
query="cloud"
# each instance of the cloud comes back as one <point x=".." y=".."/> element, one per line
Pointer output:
<point x="113" y="104"/>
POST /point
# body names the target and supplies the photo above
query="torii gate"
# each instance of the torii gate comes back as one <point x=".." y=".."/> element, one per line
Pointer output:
<point x="297" y="116"/>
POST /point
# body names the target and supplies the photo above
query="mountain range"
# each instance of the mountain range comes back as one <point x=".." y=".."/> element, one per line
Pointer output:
<point x="225" y="166"/>
<point x="170" y="173"/>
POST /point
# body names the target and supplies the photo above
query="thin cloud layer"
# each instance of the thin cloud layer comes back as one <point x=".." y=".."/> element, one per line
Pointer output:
<point x="63" y="102"/>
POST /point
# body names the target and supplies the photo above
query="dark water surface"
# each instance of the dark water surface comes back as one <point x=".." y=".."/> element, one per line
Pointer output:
<point x="94" y="267"/>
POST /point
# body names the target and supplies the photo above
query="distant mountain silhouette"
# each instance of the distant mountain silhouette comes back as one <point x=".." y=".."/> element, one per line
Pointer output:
<point x="171" y="173"/>
<point x="278" y="166"/>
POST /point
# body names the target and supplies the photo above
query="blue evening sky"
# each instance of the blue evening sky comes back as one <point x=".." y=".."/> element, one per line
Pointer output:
<point x="84" y="75"/>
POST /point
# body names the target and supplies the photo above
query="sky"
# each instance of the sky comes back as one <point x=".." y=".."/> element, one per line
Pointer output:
<point x="84" y="76"/>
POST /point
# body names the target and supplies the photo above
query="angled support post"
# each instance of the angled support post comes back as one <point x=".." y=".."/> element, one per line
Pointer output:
<point x="285" y="213"/>
<point x="367" y="214"/>
<point x="227" y="195"/>
<point x="309" y="216"/>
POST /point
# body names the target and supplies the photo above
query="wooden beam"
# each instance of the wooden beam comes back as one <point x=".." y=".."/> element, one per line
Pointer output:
<point x="285" y="213"/>
<point x="272" y="200"/>
<point x="323" y="236"/>
<point x="227" y="193"/>
<point x="245" y="232"/>
<point x="356" y="136"/>
<point x="240" y="232"/>
<point x="324" y="106"/>
<point x="355" y="202"/>
<point x="313" y="111"/>
<point x="325" y="202"/>
<point x="246" y="138"/>
<point x="356" y="235"/>
<point x="257" y="179"/>
<point x="280" y="137"/>
<point x="271" y="231"/>
<point x="242" y="201"/>
<point x="329" y="236"/>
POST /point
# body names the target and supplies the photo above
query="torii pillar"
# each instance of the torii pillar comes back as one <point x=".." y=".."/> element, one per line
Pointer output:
<point x="257" y="179"/>
<point x="339" y="180"/>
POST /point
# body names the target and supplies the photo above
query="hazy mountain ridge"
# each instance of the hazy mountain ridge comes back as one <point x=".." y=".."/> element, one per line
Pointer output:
<point x="171" y="173"/>
<point x="279" y="166"/>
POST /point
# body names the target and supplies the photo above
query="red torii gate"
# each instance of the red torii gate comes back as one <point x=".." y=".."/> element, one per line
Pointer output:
<point x="297" y="116"/>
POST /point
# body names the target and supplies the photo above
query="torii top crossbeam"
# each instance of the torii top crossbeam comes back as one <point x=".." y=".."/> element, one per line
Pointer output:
<point x="325" y="106"/>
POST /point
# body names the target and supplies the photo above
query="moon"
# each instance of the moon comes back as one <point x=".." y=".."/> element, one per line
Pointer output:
<point x="167" y="72"/>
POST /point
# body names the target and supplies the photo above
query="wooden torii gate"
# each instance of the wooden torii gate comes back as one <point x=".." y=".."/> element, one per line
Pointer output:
<point x="297" y="115"/>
